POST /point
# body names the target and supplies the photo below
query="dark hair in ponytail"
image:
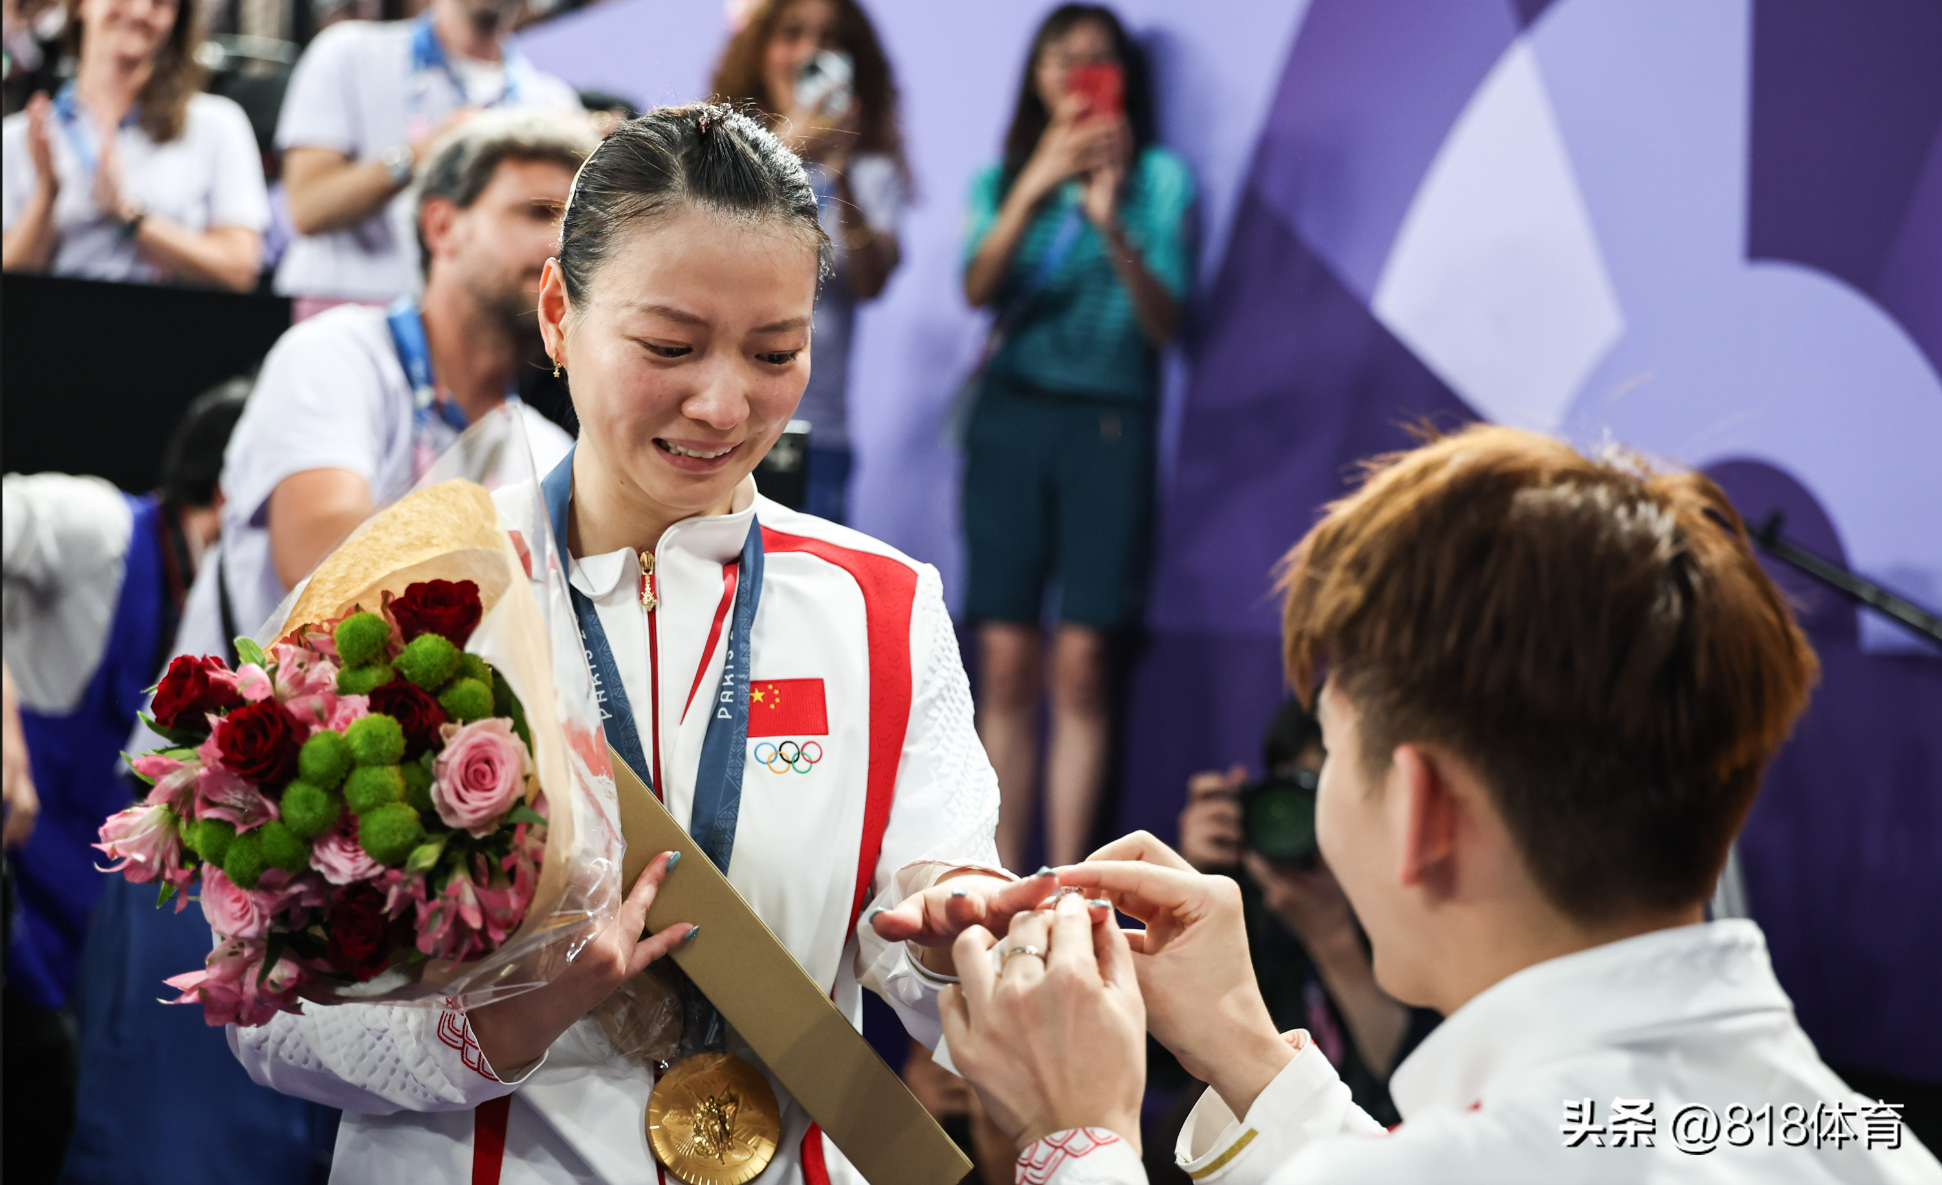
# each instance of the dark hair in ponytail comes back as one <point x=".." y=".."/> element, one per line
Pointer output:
<point x="706" y="154"/>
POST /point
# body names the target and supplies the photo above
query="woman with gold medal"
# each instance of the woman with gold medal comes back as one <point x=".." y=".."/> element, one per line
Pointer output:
<point x="845" y="795"/>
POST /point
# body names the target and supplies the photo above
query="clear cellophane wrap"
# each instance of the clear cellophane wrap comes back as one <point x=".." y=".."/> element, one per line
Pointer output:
<point x="479" y="515"/>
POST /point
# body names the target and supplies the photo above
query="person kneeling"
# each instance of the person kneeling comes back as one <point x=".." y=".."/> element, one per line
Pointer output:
<point x="1552" y="686"/>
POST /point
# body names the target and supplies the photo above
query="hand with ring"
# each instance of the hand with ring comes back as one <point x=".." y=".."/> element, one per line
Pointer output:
<point x="1055" y="1037"/>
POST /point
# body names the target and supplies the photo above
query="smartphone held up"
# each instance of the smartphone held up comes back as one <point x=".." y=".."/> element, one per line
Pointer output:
<point x="1102" y="85"/>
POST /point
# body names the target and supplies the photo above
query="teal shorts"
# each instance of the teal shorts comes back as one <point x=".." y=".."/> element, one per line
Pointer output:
<point x="1057" y="486"/>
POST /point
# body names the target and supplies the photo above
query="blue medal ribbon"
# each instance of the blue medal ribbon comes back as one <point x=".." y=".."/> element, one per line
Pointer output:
<point x="415" y="353"/>
<point x="718" y="781"/>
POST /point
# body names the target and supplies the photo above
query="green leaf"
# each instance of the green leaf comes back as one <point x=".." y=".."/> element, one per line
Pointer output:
<point x="248" y="651"/>
<point x="162" y="897"/>
<point x="525" y="814"/>
<point x="425" y="855"/>
<point x="181" y="736"/>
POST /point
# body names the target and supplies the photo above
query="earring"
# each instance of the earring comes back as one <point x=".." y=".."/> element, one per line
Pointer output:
<point x="556" y="368"/>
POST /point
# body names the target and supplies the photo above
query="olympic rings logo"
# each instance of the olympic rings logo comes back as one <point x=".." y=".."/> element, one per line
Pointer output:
<point x="789" y="756"/>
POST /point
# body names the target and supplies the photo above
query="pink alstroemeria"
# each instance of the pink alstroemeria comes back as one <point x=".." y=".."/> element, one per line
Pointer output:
<point x="222" y="795"/>
<point x="301" y="671"/>
<point x="253" y="683"/>
<point x="175" y="781"/>
<point x="144" y="842"/>
<point x="293" y="896"/>
<point x="228" y="990"/>
<point x="327" y="709"/>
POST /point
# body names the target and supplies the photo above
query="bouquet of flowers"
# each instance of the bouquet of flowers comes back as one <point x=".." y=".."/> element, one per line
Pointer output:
<point x="363" y="803"/>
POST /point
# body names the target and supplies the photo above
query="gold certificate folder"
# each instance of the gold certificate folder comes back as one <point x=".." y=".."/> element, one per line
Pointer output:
<point x="795" y="1029"/>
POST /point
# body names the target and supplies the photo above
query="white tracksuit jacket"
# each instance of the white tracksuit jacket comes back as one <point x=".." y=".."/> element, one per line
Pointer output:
<point x="902" y="787"/>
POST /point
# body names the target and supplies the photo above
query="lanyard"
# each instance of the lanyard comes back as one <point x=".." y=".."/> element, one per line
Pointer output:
<point x="67" y="108"/>
<point x="435" y="422"/>
<point x="718" y="782"/>
<point x="428" y="55"/>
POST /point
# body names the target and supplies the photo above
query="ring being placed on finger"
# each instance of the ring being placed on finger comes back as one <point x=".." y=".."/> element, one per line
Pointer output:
<point x="1033" y="951"/>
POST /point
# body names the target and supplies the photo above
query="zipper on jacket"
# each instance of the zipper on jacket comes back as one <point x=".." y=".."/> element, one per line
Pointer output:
<point x="651" y="601"/>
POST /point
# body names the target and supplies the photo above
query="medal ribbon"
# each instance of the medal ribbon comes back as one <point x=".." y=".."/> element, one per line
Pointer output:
<point x="80" y="137"/>
<point x="724" y="749"/>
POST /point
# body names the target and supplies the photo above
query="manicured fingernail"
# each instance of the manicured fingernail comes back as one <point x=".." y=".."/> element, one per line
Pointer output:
<point x="959" y="893"/>
<point x="1045" y="871"/>
<point x="690" y="935"/>
<point x="673" y="859"/>
<point x="874" y="914"/>
<point x="1102" y="903"/>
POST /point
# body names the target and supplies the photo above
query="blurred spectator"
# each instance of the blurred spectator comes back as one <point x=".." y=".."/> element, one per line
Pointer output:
<point x="366" y="103"/>
<point x="94" y="582"/>
<point x="608" y="111"/>
<point x="355" y="404"/>
<point x="32" y="40"/>
<point x="1308" y="950"/>
<point x="817" y="68"/>
<point x="1078" y="241"/>
<point x="129" y="172"/>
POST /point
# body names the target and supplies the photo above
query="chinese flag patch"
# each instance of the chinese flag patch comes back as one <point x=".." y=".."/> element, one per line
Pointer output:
<point x="787" y="708"/>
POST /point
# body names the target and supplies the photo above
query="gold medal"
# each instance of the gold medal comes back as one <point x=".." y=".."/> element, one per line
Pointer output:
<point x="713" y="1120"/>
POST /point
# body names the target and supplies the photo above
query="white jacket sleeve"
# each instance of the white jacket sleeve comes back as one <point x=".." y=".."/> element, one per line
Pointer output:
<point x="945" y="814"/>
<point x="1305" y="1102"/>
<point x="1081" y="1156"/>
<point x="372" y="1059"/>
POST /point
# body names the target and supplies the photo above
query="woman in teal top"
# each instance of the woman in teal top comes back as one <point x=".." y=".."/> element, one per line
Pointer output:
<point x="1078" y="242"/>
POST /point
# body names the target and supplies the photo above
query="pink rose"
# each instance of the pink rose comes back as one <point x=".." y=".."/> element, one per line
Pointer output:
<point x="301" y="671"/>
<point x="327" y="709"/>
<point x="144" y="842"/>
<point x="342" y="859"/>
<point x="253" y="683"/>
<point x="478" y="775"/>
<point x="235" y="912"/>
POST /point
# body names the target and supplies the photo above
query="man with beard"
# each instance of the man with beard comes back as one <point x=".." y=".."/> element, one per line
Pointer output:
<point x="366" y="104"/>
<point x="355" y="404"/>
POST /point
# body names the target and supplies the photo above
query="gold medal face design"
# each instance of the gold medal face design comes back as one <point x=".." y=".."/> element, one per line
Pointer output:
<point x="713" y="1120"/>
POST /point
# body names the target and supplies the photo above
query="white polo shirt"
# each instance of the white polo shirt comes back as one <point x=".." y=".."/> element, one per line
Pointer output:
<point x="355" y="91"/>
<point x="209" y="176"/>
<point x="332" y="395"/>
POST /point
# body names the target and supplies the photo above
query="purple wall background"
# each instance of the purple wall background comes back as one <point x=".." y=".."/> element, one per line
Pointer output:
<point x="1711" y="230"/>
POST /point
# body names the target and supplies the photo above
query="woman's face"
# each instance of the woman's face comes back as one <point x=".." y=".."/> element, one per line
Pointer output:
<point x="805" y="29"/>
<point x="128" y="28"/>
<point x="1087" y="43"/>
<point x="689" y="355"/>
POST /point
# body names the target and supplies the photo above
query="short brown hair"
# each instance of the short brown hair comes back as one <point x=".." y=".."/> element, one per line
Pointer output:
<point x="1594" y="637"/>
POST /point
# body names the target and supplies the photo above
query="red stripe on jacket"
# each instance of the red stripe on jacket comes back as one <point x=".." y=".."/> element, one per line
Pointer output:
<point x="889" y="590"/>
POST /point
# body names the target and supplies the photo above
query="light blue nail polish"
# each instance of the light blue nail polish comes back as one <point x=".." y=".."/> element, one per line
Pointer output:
<point x="1102" y="903"/>
<point x="673" y="859"/>
<point x="873" y="914"/>
<point x="959" y="893"/>
<point x="1047" y="870"/>
<point x="690" y="935"/>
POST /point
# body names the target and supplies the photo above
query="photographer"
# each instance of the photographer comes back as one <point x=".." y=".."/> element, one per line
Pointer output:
<point x="1308" y="951"/>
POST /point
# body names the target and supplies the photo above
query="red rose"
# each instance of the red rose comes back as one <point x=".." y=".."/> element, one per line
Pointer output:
<point x="259" y="743"/>
<point x="192" y="688"/>
<point x="360" y="934"/>
<point x="448" y="608"/>
<point x="415" y="711"/>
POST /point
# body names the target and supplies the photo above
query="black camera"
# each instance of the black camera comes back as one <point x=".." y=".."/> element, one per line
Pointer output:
<point x="1278" y="817"/>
